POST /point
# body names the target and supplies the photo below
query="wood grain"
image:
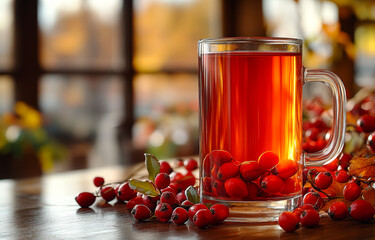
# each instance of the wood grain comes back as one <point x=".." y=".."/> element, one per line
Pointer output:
<point x="44" y="208"/>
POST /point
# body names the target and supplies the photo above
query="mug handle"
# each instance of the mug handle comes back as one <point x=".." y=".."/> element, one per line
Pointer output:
<point x="336" y="140"/>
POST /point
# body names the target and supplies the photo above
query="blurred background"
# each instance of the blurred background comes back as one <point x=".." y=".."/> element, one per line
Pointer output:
<point x="89" y="83"/>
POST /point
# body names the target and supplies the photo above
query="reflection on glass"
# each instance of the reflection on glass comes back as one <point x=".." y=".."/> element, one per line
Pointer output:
<point x="166" y="109"/>
<point x="6" y="34"/>
<point x="80" y="33"/>
<point x="6" y="94"/>
<point x="81" y="107"/>
<point x="167" y="31"/>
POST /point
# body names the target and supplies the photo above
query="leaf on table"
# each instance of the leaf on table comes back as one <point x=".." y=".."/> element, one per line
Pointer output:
<point x="192" y="194"/>
<point x="152" y="166"/>
<point x="145" y="187"/>
<point x="335" y="190"/>
<point x="362" y="166"/>
<point x="368" y="194"/>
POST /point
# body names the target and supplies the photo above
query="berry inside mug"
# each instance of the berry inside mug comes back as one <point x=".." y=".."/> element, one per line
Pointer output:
<point x="251" y="156"/>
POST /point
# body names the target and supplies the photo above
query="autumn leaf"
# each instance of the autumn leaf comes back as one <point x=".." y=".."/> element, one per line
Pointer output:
<point x="145" y="187"/>
<point x="362" y="166"/>
<point x="368" y="194"/>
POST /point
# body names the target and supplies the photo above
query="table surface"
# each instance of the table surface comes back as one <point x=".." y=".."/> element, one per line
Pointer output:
<point x="44" y="208"/>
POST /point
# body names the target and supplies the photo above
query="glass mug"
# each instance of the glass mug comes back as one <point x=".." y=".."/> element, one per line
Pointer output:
<point x="251" y="156"/>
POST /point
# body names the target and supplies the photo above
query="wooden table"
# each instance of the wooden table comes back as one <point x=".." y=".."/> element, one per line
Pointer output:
<point x="44" y="208"/>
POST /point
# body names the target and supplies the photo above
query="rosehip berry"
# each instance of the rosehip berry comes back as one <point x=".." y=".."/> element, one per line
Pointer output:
<point x="168" y="189"/>
<point x="168" y="197"/>
<point x="203" y="218"/>
<point x="108" y="193"/>
<point x="149" y="202"/>
<point x="124" y="192"/>
<point x="332" y="166"/>
<point x="220" y="212"/>
<point x="345" y="160"/>
<point x="219" y="189"/>
<point x="342" y="176"/>
<point x="227" y="170"/>
<point x="98" y="181"/>
<point x="187" y="203"/>
<point x="338" y="211"/>
<point x="251" y="170"/>
<point x="85" y="199"/>
<point x="207" y="184"/>
<point x="361" y="210"/>
<point x="236" y="188"/>
<point x="314" y="199"/>
<point x="180" y="216"/>
<point x="165" y="167"/>
<point x="272" y="184"/>
<point x="290" y="186"/>
<point x="162" y="180"/>
<point x="163" y="212"/>
<point x="371" y="142"/>
<point x="286" y="169"/>
<point x="195" y="208"/>
<point x="176" y="187"/>
<point x="352" y="191"/>
<point x="220" y="157"/>
<point x="253" y="190"/>
<point x="308" y="207"/>
<point x="309" y="218"/>
<point x="181" y="197"/>
<point x="268" y="159"/>
<point x="134" y="201"/>
<point x="141" y="212"/>
<point x="323" y="180"/>
<point x="366" y="123"/>
<point x="288" y="221"/>
<point x="190" y="164"/>
<point x="187" y="180"/>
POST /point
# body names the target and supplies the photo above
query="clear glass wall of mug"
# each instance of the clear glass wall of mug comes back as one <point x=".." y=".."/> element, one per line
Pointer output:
<point x="251" y="156"/>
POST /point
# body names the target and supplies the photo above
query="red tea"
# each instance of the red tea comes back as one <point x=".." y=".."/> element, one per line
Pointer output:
<point x="251" y="103"/>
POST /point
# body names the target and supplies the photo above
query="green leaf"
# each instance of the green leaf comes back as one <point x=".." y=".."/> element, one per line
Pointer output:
<point x="192" y="194"/>
<point x="152" y="166"/>
<point x="145" y="187"/>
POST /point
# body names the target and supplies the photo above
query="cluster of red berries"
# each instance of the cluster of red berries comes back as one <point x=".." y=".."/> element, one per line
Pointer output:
<point x="226" y="178"/>
<point x="168" y="201"/>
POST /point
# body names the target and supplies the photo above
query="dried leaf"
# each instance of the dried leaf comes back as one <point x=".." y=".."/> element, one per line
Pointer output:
<point x="152" y="166"/>
<point x="145" y="187"/>
<point x="368" y="194"/>
<point x="362" y="166"/>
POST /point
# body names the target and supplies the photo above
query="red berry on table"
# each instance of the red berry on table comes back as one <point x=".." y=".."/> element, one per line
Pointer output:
<point x="332" y="166"/>
<point x="310" y="218"/>
<point x="168" y="189"/>
<point x="180" y="216"/>
<point x="187" y="203"/>
<point x="163" y="212"/>
<point x="162" y="180"/>
<point x="195" y="208"/>
<point x="236" y="188"/>
<point x="251" y="170"/>
<point x="165" y="167"/>
<point x="85" y="199"/>
<point x="342" y="176"/>
<point x="288" y="221"/>
<point x="141" y="212"/>
<point x="323" y="180"/>
<point x="272" y="184"/>
<point x="176" y="186"/>
<point x="181" y="197"/>
<point x="124" y="192"/>
<point x="371" y="142"/>
<point x="187" y="180"/>
<point x="191" y="164"/>
<point x="220" y="212"/>
<point x="203" y="218"/>
<point x="219" y="157"/>
<point x="268" y="159"/>
<point x="344" y="160"/>
<point x="352" y="191"/>
<point x="134" y="201"/>
<point x="286" y="169"/>
<point x="108" y="193"/>
<point x="366" y="123"/>
<point x="227" y="170"/>
<point x="168" y="197"/>
<point x="338" y="211"/>
<point x="149" y="202"/>
<point x="314" y="199"/>
<point x="361" y="210"/>
<point x="98" y="181"/>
